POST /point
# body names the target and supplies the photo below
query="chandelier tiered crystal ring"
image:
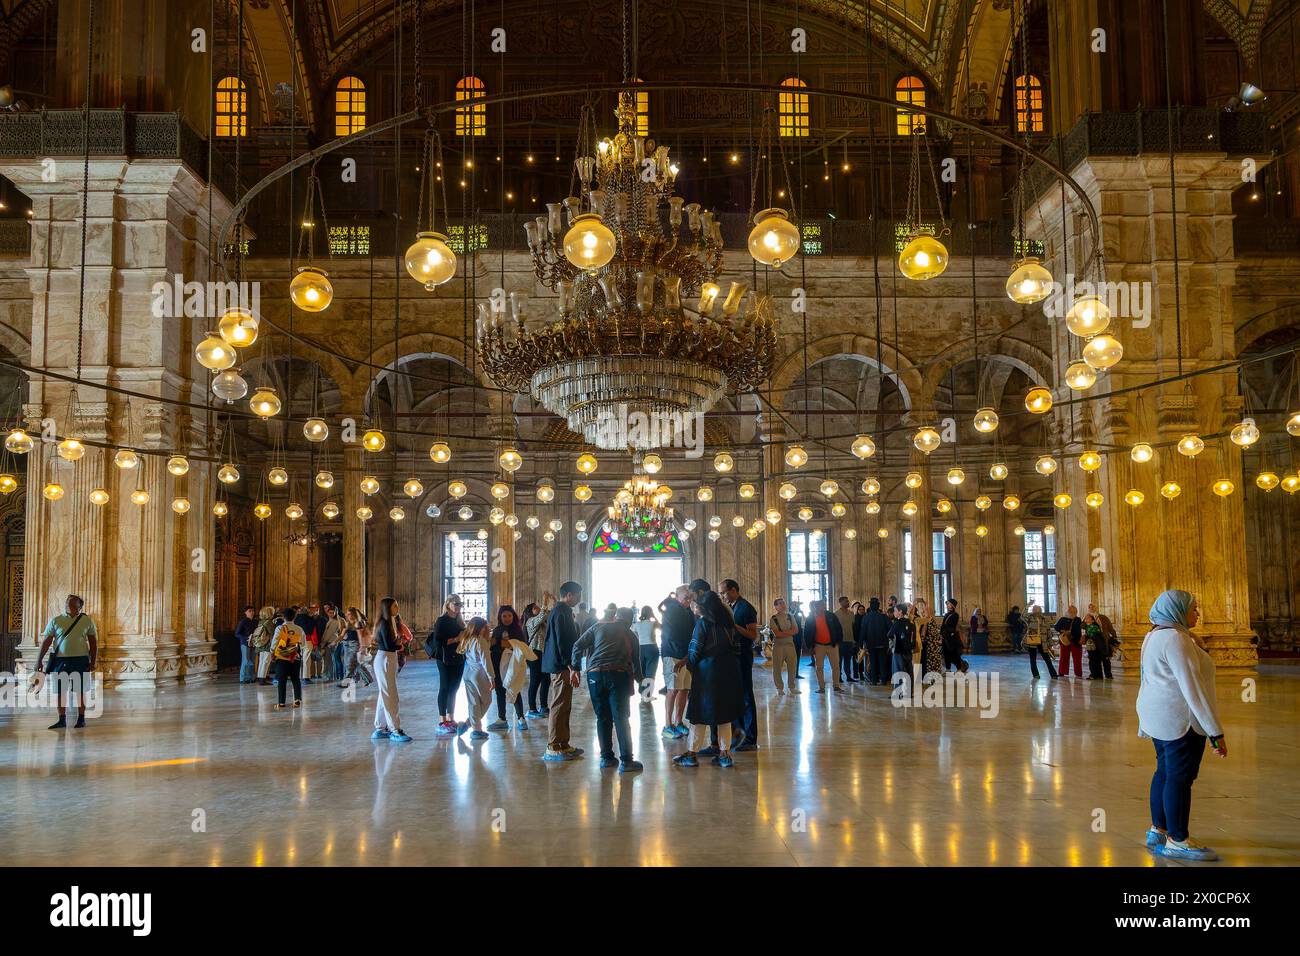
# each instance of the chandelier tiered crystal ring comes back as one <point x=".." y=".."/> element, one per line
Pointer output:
<point x="623" y="349"/>
<point x="640" y="515"/>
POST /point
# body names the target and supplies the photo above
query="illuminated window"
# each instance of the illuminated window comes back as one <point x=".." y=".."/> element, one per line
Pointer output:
<point x="349" y="106"/>
<point x="1040" y="570"/>
<point x="478" y="238"/>
<point x="809" y="575"/>
<point x="465" y="572"/>
<point x="941" y="561"/>
<point x="642" y="111"/>
<point x="1029" y="104"/>
<point x="910" y="90"/>
<point x="471" y="120"/>
<point x="349" y="240"/>
<point x="793" y="108"/>
<point x="231" y="107"/>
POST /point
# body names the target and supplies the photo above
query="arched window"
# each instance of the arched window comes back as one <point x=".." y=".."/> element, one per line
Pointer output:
<point x="910" y="90"/>
<point x="231" y="115"/>
<point x="642" y="111"/>
<point x="792" y="108"/>
<point x="1029" y="104"/>
<point x="349" y="106"/>
<point x="471" y="120"/>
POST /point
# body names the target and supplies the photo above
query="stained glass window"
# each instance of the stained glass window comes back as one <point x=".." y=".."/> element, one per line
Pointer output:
<point x="606" y="543"/>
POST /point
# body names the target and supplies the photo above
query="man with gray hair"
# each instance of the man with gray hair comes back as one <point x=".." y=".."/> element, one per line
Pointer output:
<point x="73" y="644"/>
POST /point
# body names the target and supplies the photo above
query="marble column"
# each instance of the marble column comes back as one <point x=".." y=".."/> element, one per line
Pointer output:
<point x="144" y="569"/>
<point x="772" y="541"/>
<point x="354" y="530"/>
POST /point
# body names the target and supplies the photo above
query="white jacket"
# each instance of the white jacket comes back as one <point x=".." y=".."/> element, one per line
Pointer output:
<point x="514" y="667"/>
<point x="1177" y="689"/>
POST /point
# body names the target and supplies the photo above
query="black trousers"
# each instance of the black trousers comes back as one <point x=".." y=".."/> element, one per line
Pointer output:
<point x="745" y="729"/>
<point x="537" y="681"/>
<point x="1098" y="666"/>
<point x="1034" y="650"/>
<point x="286" y="671"/>
<point x="449" y="676"/>
<point x="497" y="652"/>
<point x="880" y="663"/>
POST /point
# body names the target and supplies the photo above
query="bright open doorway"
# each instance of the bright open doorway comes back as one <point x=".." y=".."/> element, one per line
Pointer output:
<point x="633" y="581"/>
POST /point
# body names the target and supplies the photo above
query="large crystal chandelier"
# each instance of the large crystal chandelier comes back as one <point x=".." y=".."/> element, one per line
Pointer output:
<point x="640" y="515"/>
<point x="623" y="349"/>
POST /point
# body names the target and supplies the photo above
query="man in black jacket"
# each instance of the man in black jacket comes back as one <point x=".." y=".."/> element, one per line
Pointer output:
<point x="950" y="638"/>
<point x="873" y="634"/>
<point x="823" y="634"/>
<point x="561" y="636"/>
<point x="674" y="641"/>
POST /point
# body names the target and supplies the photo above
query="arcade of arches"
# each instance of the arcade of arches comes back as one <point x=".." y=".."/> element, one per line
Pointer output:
<point x="1197" y="207"/>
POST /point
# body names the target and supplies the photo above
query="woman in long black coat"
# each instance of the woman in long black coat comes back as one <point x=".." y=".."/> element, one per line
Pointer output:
<point x="715" y="697"/>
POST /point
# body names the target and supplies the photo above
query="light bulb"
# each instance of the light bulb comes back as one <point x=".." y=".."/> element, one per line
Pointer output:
<point x="1170" y="490"/>
<point x="805" y="514"/>
<point x="863" y="447"/>
<point x="924" y="257"/>
<point x="943" y="506"/>
<point x="311" y="290"/>
<point x="913" y="479"/>
<point x="1090" y="461"/>
<point x="714" y="534"/>
<point x="1291" y="484"/>
<point x="277" y="476"/>
<point x="52" y="491"/>
<point x="140" y="497"/>
<point x="871" y="486"/>
<point x="324" y="479"/>
<point x="315" y="429"/>
<point x="1080" y="376"/>
<point x="882" y="533"/>
<point x="795" y="456"/>
<point x="238" y="327"/>
<point x="510" y="460"/>
<point x="838" y="509"/>
<point x="330" y="510"/>
<point x="181" y="505"/>
<point x="986" y="420"/>
<point x="830" y="487"/>
<point x="229" y="386"/>
<point x="178" y="465"/>
<point x="265" y="403"/>
<point x="545" y="491"/>
<point x="220" y="509"/>
<point x="746" y="491"/>
<point x="652" y="464"/>
<point x="773" y="516"/>
<point x="1245" y="434"/>
<point x="909" y="508"/>
<point x="739" y="522"/>
<point x="850" y="533"/>
<point x="70" y="449"/>
<point x="440" y="452"/>
<point x="704" y="493"/>
<point x="18" y="442"/>
<point x="1088" y="316"/>
<point x="1102" y="351"/>
<point x="293" y="511"/>
<point x="430" y="261"/>
<point x="228" y="474"/>
<point x="586" y="463"/>
<point x="873" y="507"/>
<point x="1063" y="500"/>
<point x="261" y="510"/>
<point x="457" y="489"/>
<point x="365" y="513"/>
<point x="369" y="484"/>
<point x="1142" y="453"/>
<point x="1018" y="531"/>
<point x="1223" y="487"/>
<point x="1293" y="425"/>
<point x="1029" y="282"/>
<point x="582" y="493"/>
<point x="983" y="502"/>
<point x="787" y="491"/>
<point x="998" y="471"/>
<point x="950" y="532"/>
<point x="1266" y="480"/>
<point x="126" y="459"/>
<point x="926" y="440"/>
<point x="956" y="476"/>
<point x="1038" y="400"/>
<point x="1045" y="465"/>
<point x="397" y="513"/>
<point x="413" y="488"/>
<point x="1094" y="500"/>
<point x="723" y="462"/>
<point x="512" y="520"/>
<point x="981" y="531"/>
<point x="1010" y="502"/>
<point x="373" y="441"/>
<point x="774" y="240"/>
<point x="532" y="522"/>
<point x="214" y="353"/>
<point x="99" y="497"/>
<point x="589" y="244"/>
<point x="1134" y="497"/>
<point x="1191" y="445"/>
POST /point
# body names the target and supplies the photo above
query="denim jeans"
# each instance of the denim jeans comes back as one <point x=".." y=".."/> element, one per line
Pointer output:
<point x="247" y="662"/>
<point x="611" y="692"/>
<point x="1177" y="763"/>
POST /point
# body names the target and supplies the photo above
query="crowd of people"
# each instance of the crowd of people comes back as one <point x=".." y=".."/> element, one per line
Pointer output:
<point x="706" y="641"/>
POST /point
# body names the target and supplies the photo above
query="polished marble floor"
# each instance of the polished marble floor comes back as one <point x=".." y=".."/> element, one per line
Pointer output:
<point x="212" y="775"/>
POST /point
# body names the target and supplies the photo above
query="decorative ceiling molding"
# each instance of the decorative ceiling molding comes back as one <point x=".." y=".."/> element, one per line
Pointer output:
<point x="1244" y="22"/>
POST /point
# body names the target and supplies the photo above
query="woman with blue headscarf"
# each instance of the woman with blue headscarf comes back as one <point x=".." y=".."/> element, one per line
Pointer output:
<point x="1176" y="710"/>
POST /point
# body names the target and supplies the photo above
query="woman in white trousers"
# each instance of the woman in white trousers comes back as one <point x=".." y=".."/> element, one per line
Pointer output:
<point x="388" y="725"/>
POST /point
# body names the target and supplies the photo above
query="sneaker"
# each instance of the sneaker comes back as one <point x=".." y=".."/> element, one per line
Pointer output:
<point x="709" y="751"/>
<point x="277" y="706"/>
<point x="521" y="724"/>
<point x="297" y="703"/>
<point x="686" y="760"/>
<point x="794" y="691"/>
<point x="747" y="745"/>
<point x="1187" y="849"/>
<point x="819" y="690"/>
<point x="555" y="756"/>
<point x="723" y="760"/>
<point x="379" y="735"/>
<point x="398" y="737"/>
<point x="779" y="692"/>
<point x="629" y="766"/>
<point x="58" y="724"/>
<point x="81" y="722"/>
<point x="533" y="714"/>
<point x="344" y="683"/>
<point x="477" y="734"/>
<point x="498" y="725"/>
<point x="607" y="762"/>
<point x="462" y="727"/>
<point x="1156" y="837"/>
<point x="838" y="688"/>
<point x="574" y="752"/>
<point x="546" y="711"/>
<point x="671" y="732"/>
<point x="683" y="730"/>
<point x="446" y="729"/>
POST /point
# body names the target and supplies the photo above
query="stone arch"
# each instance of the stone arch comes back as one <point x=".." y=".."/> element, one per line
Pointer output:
<point x="849" y="345"/>
<point x="1030" y="359"/>
<point x="1259" y="326"/>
